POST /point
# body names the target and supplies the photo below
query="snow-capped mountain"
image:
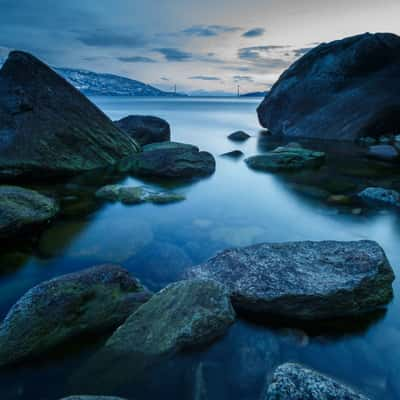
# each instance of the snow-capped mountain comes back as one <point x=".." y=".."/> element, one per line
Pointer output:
<point x="94" y="84"/>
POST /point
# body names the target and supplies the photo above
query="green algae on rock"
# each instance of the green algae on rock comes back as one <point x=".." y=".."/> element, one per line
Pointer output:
<point x="136" y="195"/>
<point x="22" y="208"/>
<point x="92" y="300"/>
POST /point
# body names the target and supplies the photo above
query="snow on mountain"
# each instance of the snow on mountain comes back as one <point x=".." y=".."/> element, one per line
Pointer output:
<point x="94" y="84"/>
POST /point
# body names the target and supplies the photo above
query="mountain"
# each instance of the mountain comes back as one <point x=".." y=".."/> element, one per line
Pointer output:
<point x="96" y="84"/>
<point x="254" y="94"/>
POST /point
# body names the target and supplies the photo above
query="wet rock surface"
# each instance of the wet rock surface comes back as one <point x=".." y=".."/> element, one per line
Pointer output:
<point x="336" y="92"/>
<point x="184" y="315"/>
<point x="136" y="195"/>
<point x="295" y="382"/>
<point x="235" y="154"/>
<point x="384" y="152"/>
<point x="21" y="209"/>
<point x="91" y="300"/>
<point x="303" y="280"/>
<point x="48" y="127"/>
<point x="145" y="129"/>
<point x="169" y="160"/>
<point x="381" y="196"/>
<point x="286" y="158"/>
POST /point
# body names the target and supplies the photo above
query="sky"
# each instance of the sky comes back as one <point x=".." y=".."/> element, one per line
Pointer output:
<point x="207" y="46"/>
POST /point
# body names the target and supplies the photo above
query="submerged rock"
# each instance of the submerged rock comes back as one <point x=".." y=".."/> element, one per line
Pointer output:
<point x="92" y="300"/>
<point x="183" y="315"/>
<point x="287" y="158"/>
<point x="233" y="154"/>
<point x="357" y="78"/>
<point x="169" y="160"/>
<point x="295" y="382"/>
<point x="238" y="136"/>
<point x="384" y="152"/>
<point x="23" y="208"/>
<point x="381" y="196"/>
<point x="303" y="280"/>
<point x="47" y="127"/>
<point x="92" y="398"/>
<point x="136" y="195"/>
<point x="145" y="129"/>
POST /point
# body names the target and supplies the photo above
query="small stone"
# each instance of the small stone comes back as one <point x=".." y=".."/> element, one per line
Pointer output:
<point x="340" y="199"/>
<point x="295" y="382"/>
<point x="238" y="136"/>
<point x="233" y="154"/>
<point x="383" y="152"/>
<point x="357" y="211"/>
<point x="381" y="196"/>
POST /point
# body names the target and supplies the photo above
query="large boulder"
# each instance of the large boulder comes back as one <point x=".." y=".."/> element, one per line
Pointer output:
<point x="286" y="158"/>
<point x="343" y="90"/>
<point x="22" y="209"/>
<point x="47" y="127"/>
<point x="295" y="382"/>
<point x="169" y="160"/>
<point x="145" y="129"/>
<point x="303" y="280"/>
<point x="182" y="316"/>
<point x="92" y="300"/>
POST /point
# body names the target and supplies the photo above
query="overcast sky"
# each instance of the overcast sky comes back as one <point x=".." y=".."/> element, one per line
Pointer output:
<point x="197" y="45"/>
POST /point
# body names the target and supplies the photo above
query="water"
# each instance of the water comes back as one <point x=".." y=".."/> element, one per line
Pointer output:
<point x="234" y="207"/>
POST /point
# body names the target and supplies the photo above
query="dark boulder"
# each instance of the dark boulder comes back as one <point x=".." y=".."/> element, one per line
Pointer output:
<point x="295" y="382"/>
<point x="145" y="129"/>
<point x="92" y="300"/>
<point x="238" y="136"/>
<point x="22" y="209"/>
<point x="235" y="154"/>
<point x="303" y="280"/>
<point x="169" y="160"/>
<point x="343" y="90"/>
<point x="47" y="127"/>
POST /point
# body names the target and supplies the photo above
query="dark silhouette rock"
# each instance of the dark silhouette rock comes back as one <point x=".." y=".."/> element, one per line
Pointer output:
<point x="235" y="154"/>
<point x="295" y="382"/>
<point x="303" y="280"/>
<point x="145" y="129"/>
<point x="169" y="160"/>
<point x="47" y="127"/>
<point x="238" y="136"/>
<point x="91" y="300"/>
<point x="22" y="209"/>
<point x="343" y="90"/>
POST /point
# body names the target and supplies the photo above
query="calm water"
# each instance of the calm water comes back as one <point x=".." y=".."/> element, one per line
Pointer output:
<point x="234" y="207"/>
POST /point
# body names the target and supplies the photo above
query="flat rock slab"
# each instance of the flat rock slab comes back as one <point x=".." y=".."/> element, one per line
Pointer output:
<point x="145" y="129"/>
<point x="23" y="208"/>
<point x="287" y="158"/>
<point x="136" y="195"/>
<point x="47" y="127"/>
<point x="238" y="136"/>
<point x="381" y="196"/>
<point x="184" y="315"/>
<point x="92" y="300"/>
<point x="169" y="160"/>
<point x="303" y="280"/>
<point x="295" y="382"/>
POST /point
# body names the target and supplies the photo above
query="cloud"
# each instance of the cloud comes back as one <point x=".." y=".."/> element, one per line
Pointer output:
<point x="205" y="78"/>
<point x="257" y="52"/>
<point x="103" y="38"/>
<point x="255" y="32"/>
<point x="302" y="51"/>
<point x="209" y="30"/>
<point x="173" y="54"/>
<point x="163" y="78"/>
<point x="243" y="78"/>
<point x="136" y="59"/>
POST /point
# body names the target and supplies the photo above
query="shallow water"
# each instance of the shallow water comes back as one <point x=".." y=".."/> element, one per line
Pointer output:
<point x="234" y="207"/>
